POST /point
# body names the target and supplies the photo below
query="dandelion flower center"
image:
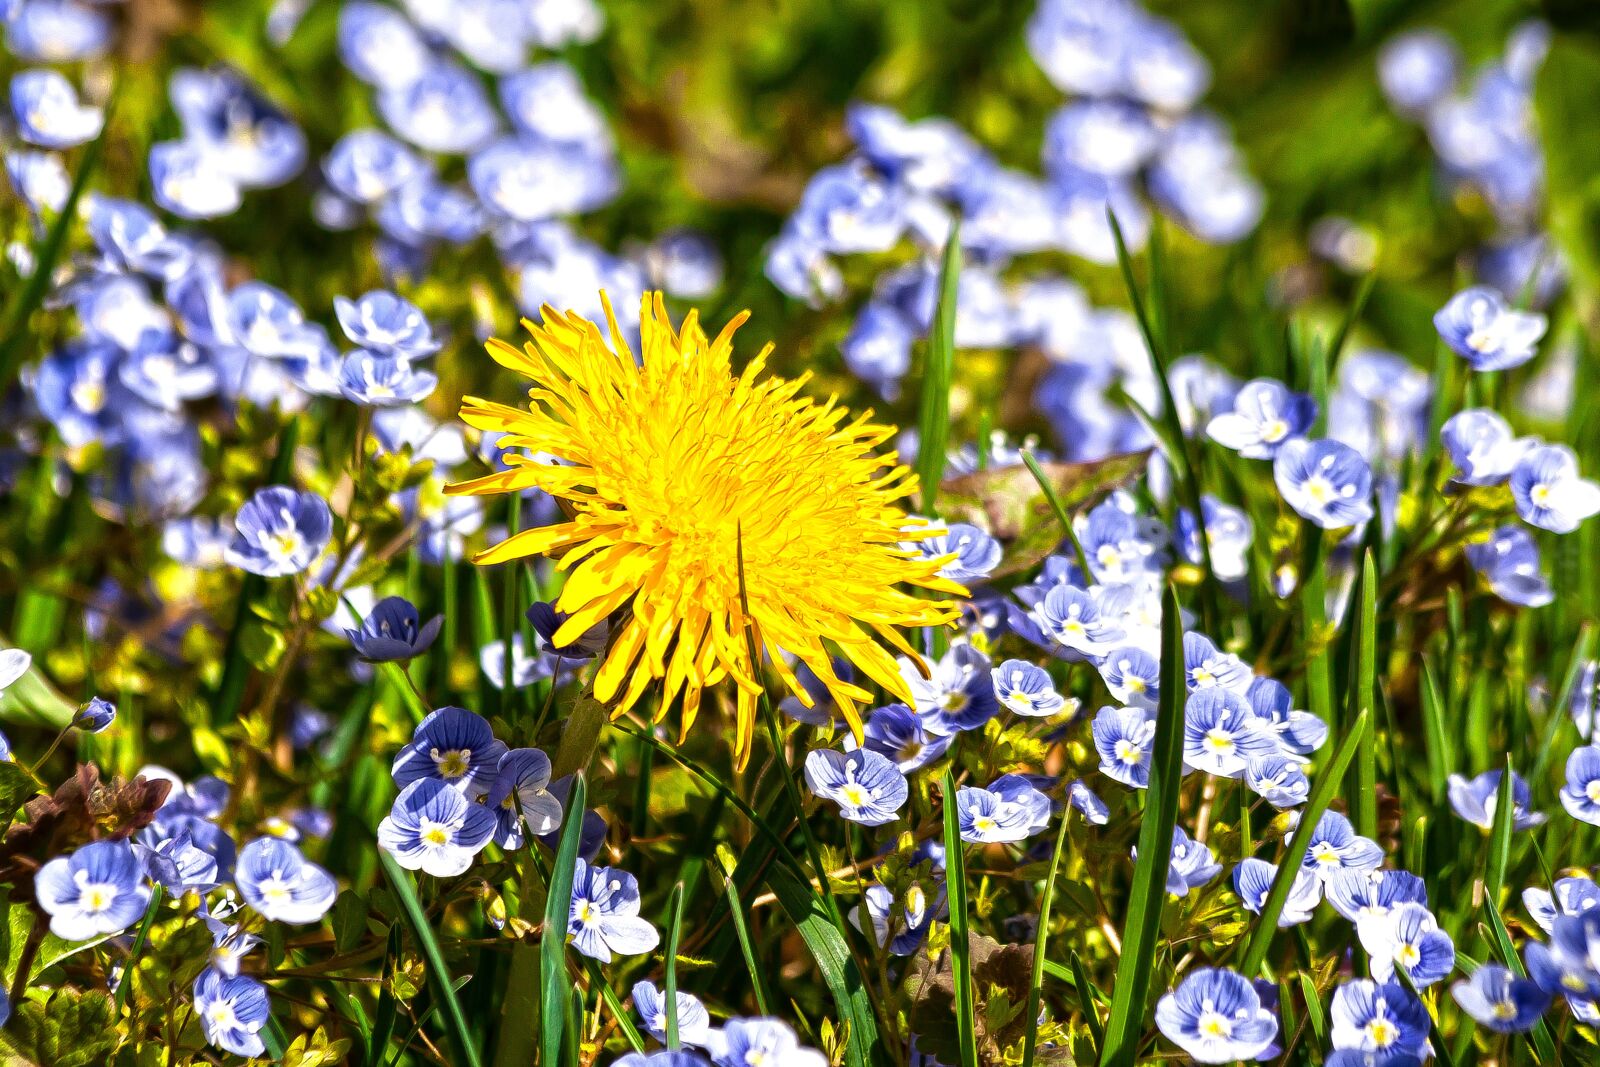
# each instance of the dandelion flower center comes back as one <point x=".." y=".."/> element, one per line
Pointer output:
<point x="680" y="477"/>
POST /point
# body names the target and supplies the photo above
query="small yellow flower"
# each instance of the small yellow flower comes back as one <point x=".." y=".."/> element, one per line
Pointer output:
<point x="669" y="468"/>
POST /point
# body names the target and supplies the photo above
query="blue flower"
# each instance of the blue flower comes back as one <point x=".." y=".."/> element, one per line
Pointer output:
<point x="1574" y="895"/>
<point x="1228" y="535"/>
<point x="1278" y="778"/>
<point x="547" y="622"/>
<point x="1325" y="482"/>
<point x="1299" y="732"/>
<point x="1072" y="619"/>
<point x="694" y="1022"/>
<point x="367" y="165"/>
<point x="95" y="716"/>
<point x="58" y="31"/>
<point x="1216" y="1017"/>
<point x="380" y="46"/>
<point x="902" y="925"/>
<point x="663" y="1057"/>
<point x="235" y="130"/>
<point x="281" y="884"/>
<point x="232" y="1010"/>
<point x="1204" y="666"/>
<point x="932" y="155"/>
<point x="1193" y="864"/>
<point x="392" y="631"/>
<point x="1026" y="689"/>
<point x="1417" y="69"/>
<point x="685" y="264"/>
<point x="975" y="552"/>
<point x="1474" y="800"/>
<point x="868" y="788"/>
<point x="280" y="531"/>
<point x="1221" y="735"/>
<point x="1581" y="795"/>
<point x="1407" y="936"/>
<point x="1482" y="446"/>
<point x="593" y="833"/>
<point x="1133" y="676"/>
<point x="1252" y="881"/>
<point x="528" y="179"/>
<point x="383" y="381"/>
<point x="847" y="209"/>
<point x="454" y="746"/>
<point x="1566" y="969"/>
<point x="165" y="371"/>
<point x="769" y="1042"/>
<point x="1265" y="415"/>
<point x="525" y="669"/>
<point x="985" y="817"/>
<point x="99" y="889"/>
<point x="1120" y="546"/>
<point x="230" y="942"/>
<point x="1548" y="491"/>
<point x="1500" y="1000"/>
<point x="521" y="797"/>
<point x="605" y="914"/>
<point x="1088" y="803"/>
<point x="48" y="114"/>
<point x="1509" y="562"/>
<point x="958" y="696"/>
<point x="40" y="179"/>
<point x="186" y="182"/>
<point x="897" y="732"/>
<point x="547" y="101"/>
<point x="1335" y="846"/>
<point x="1382" y="1017"/>
<point x="1359" y="894"/>
<point x="1124" y="738"/>
<point x="444" y="110"/>
<point x="878" y="347"/>
<point x="435" y="829"/>
<point x="1486" y="331"/>
<point x="386" y="324"/>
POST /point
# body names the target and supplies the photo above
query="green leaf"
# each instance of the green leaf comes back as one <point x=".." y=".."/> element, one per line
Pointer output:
<point x="1294" y="856"/>
<point x="553" y="936"/>
<point x="1149" y="892"/>
<point x="71" y="1029"/>
<point x="349" y="921"/>
<point x="1363" y="686"/>
<point x="579" y="736"/>
<point x="933" y="418"/>
<point x="16" y="788"/>
<point x="421" y="928"/>
<point x="960" y="943"/>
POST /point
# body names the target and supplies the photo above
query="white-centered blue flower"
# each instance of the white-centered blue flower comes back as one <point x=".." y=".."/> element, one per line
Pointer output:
<point x="867" y="786"/>
<point x="604" y="919"/>
<point x="1483" y="446"/>
<point x="1124" y="738"/>
<point x="47" y="112"/>
<point x="1486" y="331"/>
<point x="1549" y="492"/>
<point x="1500" y="1000"/>
<point x="1221" y="735"/>
<point x="1026" y="689"/>
<point x="1265" y="415"/>
<point x="281" y="884"/>
<point x="435" y="829"/>
<point x="1407" y="936"/>
<point x="1252" y="881"/>
<point x="1326" y="482"/>
<point x="1216" y="1017"/>
<point x="98" y="889"/>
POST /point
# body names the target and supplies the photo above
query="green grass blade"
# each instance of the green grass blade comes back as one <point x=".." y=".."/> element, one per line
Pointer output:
<point x="1294" y="855"/>
<point x="741" y="928"/>
<point x="1060" y="510"/>
<point x="1439" y="749"/>
<point x="826" y="940"/>
<point x="675" y="907"/>
<point x="553" y="937"/>
<point x="1362" y="688"/>
<point x="383" y="1018"/>
<point x="1494" y="868"/>
<point x="422" y="930"/>
<point x="960" y="946"/>
<point x="1030" y="1039"/>
<point x="140" y="940"/>
<point x="1149" y="892"/>
<point x="933" y="417"/>
<point x="1506" y="949"/>
<point x="1346" y="324"/>
<point x="1091" y="1014"/>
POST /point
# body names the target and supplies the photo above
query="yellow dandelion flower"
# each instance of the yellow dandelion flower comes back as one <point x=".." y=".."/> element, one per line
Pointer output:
<point x="671" y="466"/>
